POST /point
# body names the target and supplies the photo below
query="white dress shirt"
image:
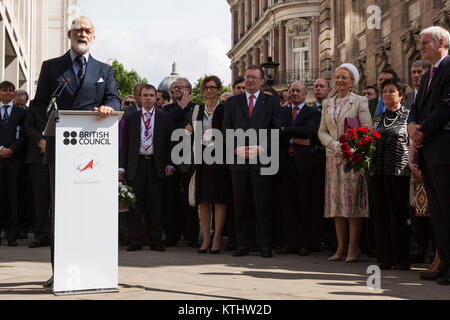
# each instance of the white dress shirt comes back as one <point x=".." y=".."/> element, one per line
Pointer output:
<point x="143" y="136"/>
<point x="2" y="110"/>
<point x="256" y="97"/>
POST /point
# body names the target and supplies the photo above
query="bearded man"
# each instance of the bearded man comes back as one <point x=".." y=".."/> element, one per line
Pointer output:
<point x="89" y="85"/>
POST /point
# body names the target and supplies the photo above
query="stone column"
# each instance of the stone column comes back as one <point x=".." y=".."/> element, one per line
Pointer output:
<point x="282" y="47"/>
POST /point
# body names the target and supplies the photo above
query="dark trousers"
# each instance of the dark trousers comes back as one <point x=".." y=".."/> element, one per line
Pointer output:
<point x="26" y="207"/>
<point x="148" y="188"/>
<point x="40" y="181"/>
<point x="249" y="186"/>
<point x="391" y="194"/>
<point x="437" y="186"/>
<point x="10" y="178"/>
<point x="278" y="214"/>
<point x="191" y="226"/>
<point x="296" y="208"/>
<point x="421" y="242"/>
<point x="172" y="214"/>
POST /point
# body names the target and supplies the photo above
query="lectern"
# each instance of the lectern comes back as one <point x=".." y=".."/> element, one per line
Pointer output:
<point x="86" y="202"/>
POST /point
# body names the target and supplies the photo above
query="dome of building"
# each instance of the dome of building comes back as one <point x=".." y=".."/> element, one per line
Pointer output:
<point x="167" y="82"/>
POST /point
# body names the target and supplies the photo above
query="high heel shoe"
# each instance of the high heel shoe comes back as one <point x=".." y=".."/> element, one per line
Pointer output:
<point x="337" y="257"/>
<point x="211" y="251"/>
<point x="205" y="251"/>
<point x="353" y="259"/>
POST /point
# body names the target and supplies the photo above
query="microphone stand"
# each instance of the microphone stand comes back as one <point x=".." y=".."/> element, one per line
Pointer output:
<point x="53" y="106"/>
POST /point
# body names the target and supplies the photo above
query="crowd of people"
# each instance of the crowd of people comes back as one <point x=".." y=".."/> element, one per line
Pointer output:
<point x="406" y="219"/>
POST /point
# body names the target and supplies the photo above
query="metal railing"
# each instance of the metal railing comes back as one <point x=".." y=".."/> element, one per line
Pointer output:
<point x="290" y="76"/>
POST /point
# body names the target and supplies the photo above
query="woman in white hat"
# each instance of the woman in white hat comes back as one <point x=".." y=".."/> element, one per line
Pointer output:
<point x="340" y="186"/>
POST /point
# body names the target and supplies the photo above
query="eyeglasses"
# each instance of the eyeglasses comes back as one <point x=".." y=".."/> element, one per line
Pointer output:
<point x="178" y="87"/>
<point x="252" y="78"/>
<point x="128" y="103"/>
<point x="240" y="88"/>
<point x="211" y="88"/>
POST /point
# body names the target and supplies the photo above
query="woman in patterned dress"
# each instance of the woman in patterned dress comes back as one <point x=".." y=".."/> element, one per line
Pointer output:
<point x="341" y="186"/>
<point x="390" y="180"/>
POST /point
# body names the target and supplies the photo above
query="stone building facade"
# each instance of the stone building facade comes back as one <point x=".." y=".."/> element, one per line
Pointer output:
<point x="350" y="32"/>
<point x="286" y="30"/>
<point x="32" y="31"/>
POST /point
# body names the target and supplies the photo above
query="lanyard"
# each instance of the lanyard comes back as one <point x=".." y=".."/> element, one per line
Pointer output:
<point x="148" y="123"/>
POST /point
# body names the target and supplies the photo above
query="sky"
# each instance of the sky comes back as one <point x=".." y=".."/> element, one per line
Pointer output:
<point x="149" y="35"/>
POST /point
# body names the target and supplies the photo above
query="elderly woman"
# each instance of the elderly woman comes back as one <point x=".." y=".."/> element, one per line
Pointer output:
<point x="340" y="186"/>
<point x="391" y="179"/>
<point x="211" y="182"/>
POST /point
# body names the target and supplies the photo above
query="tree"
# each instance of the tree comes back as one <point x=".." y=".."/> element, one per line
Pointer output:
<point x="197" y="95"/>
<point x="126" y="80"/>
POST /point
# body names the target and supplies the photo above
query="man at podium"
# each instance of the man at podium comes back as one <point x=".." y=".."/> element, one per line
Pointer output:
<point x="86" y="84"/>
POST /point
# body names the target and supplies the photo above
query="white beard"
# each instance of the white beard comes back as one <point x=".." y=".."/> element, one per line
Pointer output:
<point x="82" y="48"/>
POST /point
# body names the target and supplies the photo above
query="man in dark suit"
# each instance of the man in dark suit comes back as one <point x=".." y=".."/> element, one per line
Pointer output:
<point x="40" y="178"/>
<point x="145" y="163"/>
<point x="418" y="69"/>
<point x="376" y="106"/>
<point x="181" y="218"/>
<point x="429" y="129"/>
<point x="300" y="125"/>
<point x="90" y="86"/>
<point x="252" y="110"/>
<point x="12" y="155"/>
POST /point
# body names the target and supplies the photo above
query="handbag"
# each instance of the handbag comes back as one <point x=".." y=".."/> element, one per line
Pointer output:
<point x="351" y="123"/>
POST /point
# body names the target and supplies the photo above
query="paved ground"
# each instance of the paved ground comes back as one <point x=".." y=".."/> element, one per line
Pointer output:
<point x="182" y="274"/>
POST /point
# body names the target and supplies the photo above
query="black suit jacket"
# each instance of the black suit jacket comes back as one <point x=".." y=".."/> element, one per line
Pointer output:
<point x="266" y="115"/>
<point x="131" y="143"/>
<point x="179" y="116"/>
<point x="34" y="127"/>
<point x="306" y="126"/>
<point x="13" y="137"/>
<point x="96" y="89"/>
<point x="409" y="101"/>
<point x="432" y="111"/>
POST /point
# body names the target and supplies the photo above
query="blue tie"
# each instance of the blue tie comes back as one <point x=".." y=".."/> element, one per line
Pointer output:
<point x="5" y="116"/>
<point x="81" y="62"/>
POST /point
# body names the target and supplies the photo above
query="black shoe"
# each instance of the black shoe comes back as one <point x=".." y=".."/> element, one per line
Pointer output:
<point x="39" y="244"/>
<point x="134" y="247"/>
<point x="266" y="253"/>
<point x="12" y="244"/>
<point x="171" y="244"/>
<point x="445" y="280"/>
<point x="22" y="235"/>
<point x="384" y="266"/>
<point x="231" y="246"/>
<point x="241" y="253"/>
<point x="434" y="276"/>
<point x="157" y="247"/>
<point x="302" y="252"/>
<point x="48" y="284"/>
<point x="286" y="249"/>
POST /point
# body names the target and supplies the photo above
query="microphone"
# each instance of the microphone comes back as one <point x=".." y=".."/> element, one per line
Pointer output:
<point x="53" y="106"/>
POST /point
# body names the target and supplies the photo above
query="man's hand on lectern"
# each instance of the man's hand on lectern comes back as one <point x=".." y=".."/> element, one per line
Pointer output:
<point x="104" y="112"/>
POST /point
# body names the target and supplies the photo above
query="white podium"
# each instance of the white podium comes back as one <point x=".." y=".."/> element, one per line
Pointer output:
<point x="86" y="203"/>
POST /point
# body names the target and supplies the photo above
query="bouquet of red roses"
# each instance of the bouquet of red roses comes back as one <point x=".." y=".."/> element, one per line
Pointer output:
<point x="358" y="145"/>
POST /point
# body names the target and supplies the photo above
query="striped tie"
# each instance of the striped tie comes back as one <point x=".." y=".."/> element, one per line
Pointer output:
<point x="5" y="116"/>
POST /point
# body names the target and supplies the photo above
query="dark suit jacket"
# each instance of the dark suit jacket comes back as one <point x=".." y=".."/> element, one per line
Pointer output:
<point x="91" y="93"/>
<point x="13" y="137"/>
<point x="131" y="143"/>
<point x="266" y="115"/>
<point x="179" y="116"/>
<point x="306" y="126"/>
<point x="409" y="100"/>
<point x="34" y="127"/>
<point x="432" y="111"/>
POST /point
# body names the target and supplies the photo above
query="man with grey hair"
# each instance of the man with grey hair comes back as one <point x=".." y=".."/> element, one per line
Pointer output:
<point x="429" y="130"/>
<point x="89" y="86"/>
<point x="187" y="220"/>
<point x="21" y="98"/>
<point x="418" y="69"/>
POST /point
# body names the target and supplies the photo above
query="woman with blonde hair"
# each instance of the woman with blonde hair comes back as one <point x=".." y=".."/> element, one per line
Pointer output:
<point x="341" y="186"/>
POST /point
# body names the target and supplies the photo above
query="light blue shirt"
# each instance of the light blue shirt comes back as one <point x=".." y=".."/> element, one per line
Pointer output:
<point x="381" y="107"/>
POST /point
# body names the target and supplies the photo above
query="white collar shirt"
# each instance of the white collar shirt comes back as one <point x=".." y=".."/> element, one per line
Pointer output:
<point x="256" y="95"/>
<point x="9" y="109"/>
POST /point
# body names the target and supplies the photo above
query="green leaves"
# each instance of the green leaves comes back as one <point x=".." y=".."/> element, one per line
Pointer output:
<point x="126" y="80"/>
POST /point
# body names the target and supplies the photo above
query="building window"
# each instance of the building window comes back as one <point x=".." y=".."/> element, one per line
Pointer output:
<point x="301" y="54"/>
<point x="413" y="11"/>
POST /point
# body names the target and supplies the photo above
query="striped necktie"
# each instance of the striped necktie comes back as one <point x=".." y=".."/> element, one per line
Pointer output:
<point x="5" y="116"/>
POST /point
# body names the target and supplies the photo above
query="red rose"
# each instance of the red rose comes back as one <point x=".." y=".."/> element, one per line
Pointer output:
<point x="352" y="134"/>
<point x="362" y="142"/>
<point x="376" y="134"/>
<point x="343" y="138"/>
<point x="347" y="154"/>
<point x="357" y="157"/>
<point x="364" y="130"/>
<point x="369" y="140"/>
<point x="345" y="146"/>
